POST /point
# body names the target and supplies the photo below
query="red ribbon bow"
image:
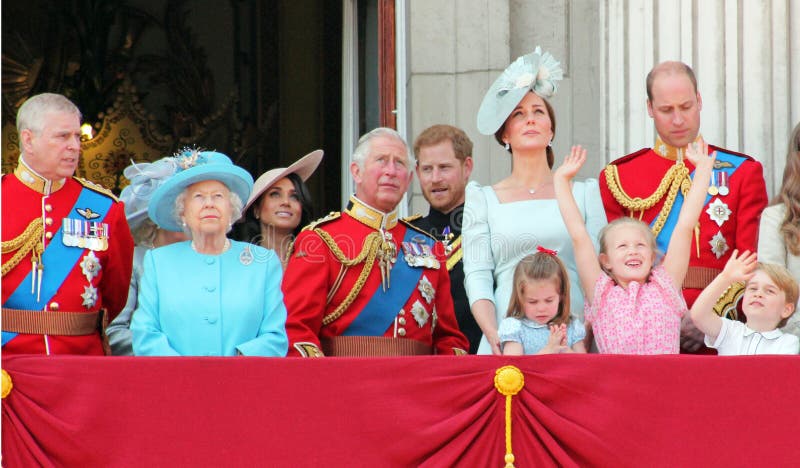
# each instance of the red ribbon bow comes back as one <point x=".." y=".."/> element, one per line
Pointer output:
<point x="547" y="251"/>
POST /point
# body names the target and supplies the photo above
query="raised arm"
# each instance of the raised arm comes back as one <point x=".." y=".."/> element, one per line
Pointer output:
<point x="676" y="260"/>
<point x="585" y="255"/>
<point x="738" y="268"/>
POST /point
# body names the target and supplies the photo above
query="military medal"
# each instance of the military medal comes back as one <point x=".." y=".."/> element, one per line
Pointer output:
<point x="718" y="211"/>
<point x="417" y="253"/>
<point x="420" y="314"/>
<point x="723" y="183"/>
<point x="89" y="296"/>
<point x="90" y="266"/>
<point x="712" y="189"/>
<point x="718" y="245"/>
<point x="426" y="289"/>
<point x="447" y="238"/>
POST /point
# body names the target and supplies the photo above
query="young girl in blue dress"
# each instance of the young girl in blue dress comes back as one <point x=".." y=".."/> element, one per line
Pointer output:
<point x="538" y="319"/>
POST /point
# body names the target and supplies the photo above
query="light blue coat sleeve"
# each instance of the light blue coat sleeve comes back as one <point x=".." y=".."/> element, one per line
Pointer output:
<point x="478" y="259"/>
<point x="148" y="338"/>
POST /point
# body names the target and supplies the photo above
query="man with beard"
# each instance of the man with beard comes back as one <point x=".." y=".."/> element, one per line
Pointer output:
<point x="444" y="164"/>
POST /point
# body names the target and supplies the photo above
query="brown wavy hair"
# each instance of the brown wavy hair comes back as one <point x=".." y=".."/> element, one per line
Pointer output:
<point x="537" y="267"/>
<point x="789" y="194"/>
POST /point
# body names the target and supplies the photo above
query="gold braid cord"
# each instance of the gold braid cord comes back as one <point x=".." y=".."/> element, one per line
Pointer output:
<point x="367" y="255"/>
<point x="677" y="178"/>
<point x="508" y="380"/>
<point x="29" y="240"/>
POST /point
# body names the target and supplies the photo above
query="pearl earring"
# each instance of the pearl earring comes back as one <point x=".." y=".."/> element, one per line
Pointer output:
<point x="508" y="147"/>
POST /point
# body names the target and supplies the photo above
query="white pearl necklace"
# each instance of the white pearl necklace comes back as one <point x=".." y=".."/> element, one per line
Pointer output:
<point x="225" y="247"/>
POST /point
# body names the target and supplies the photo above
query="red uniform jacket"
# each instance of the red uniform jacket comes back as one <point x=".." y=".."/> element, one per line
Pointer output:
<point x="21" y="204"/>
<point x="641" y="172"/>
<point x="314" y="273"/>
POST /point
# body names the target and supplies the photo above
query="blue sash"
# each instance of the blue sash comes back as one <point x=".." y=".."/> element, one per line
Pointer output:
<point x="379" y="313"/>
<point x="666" y="232"/>
<point x="59" y="260"/>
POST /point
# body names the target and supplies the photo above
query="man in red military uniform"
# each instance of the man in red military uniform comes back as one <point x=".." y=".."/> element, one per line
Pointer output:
<point x="650" y="183"/>
<point x="364" y="282"/>
<point x="67" y="249"/>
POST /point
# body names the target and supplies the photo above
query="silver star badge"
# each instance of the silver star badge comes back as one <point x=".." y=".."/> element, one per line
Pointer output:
<point x="89" y="296"/>
<point x="90" y="266"/>
<point x="426" y="289"/>
<point x="718" y="245"/>
<point x="420" y="314"/>
<point x="719" y="211"/>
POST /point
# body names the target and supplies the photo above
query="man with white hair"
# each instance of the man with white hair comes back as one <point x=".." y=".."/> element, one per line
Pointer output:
<point x="364" y="282"/>
<point x="67" y="248"/>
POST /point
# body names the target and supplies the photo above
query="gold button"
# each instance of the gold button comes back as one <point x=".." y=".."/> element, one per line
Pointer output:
<point x="48" y="207"/>
<point x="54" y="306"/>
<point x="48" y="235"/>
<point x="48" y="221"/>
<point x="401" y="332"/>
<point x="401" y="321"/>
<point x="402" y="312"/>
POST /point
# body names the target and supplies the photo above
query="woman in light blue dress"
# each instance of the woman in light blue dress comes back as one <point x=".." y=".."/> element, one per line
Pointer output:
<point x="508" y="220"/>
<point x="209" y="296"/>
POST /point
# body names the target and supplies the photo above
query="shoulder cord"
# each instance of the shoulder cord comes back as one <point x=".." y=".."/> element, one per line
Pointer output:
<point x="367" y="255"/>
<point x="676" y="178"/>
<point x="29" y="240"/>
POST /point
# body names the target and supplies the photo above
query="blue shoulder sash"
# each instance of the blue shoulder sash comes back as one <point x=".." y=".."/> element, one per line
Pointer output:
<point x="59" y="260"/>
<point x="378" y="315"/>
<point x="725" y="162"/>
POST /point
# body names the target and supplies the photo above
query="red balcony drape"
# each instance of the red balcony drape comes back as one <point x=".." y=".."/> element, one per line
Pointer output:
<point x="574" y="410"/>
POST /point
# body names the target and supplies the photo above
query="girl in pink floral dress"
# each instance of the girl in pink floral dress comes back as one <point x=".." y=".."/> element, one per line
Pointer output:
<point x="634" y="305"/>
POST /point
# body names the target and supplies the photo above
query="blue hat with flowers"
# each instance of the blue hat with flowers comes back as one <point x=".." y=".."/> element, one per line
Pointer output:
<point x="537" y="72"/>
<point x="192" y="166"/>
<point x="145" y="178"/>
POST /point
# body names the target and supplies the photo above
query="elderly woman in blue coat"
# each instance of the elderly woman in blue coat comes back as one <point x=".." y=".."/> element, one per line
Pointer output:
<point x="208" y="296"/>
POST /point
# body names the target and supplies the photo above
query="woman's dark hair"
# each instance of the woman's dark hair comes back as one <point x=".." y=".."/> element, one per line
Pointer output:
<point x="498" y="135"/>
<point x="306" y="209"/>
<point x="250" y="229"/>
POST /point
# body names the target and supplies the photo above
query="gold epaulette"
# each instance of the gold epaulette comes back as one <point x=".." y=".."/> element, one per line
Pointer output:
<point x="97" y="188"/>
<point x="728" y="300"/>
<point x="407" y="222"/>
<point x="330" y="217"/>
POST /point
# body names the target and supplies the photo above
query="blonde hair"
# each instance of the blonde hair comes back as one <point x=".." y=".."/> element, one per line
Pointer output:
<point x="784" y="280"/>
<point x="603" y="236"/>
<point x="538" y="267"/>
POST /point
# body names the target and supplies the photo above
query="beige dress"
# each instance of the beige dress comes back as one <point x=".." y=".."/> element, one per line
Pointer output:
<point x="772" y="249"/>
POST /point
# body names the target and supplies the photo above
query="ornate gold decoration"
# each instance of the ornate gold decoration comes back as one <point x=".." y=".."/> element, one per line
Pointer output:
<point x="29" y="240"/>
<point x="676" y="178"/>
<point x="7" y="383"/>
<point x="509" y="380"/>
<point x="726" y="304"/>
<point x="367" y="256"/>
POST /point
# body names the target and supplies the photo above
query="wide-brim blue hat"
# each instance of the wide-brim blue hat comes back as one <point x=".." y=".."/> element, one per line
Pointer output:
<point x="537" y="72"/>
<point x="196" y="166"/>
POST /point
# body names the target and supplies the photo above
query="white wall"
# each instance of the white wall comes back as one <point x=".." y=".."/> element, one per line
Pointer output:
<point x="746" y="54"/>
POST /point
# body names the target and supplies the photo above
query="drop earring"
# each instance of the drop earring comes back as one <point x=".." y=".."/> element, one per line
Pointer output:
<point x="507" y="147"/>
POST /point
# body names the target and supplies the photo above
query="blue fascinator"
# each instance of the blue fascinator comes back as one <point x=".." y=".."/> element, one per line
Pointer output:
<point x="537" y="72"/>
<point x="144" y="179"/>
<point x="192" y="166"/>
